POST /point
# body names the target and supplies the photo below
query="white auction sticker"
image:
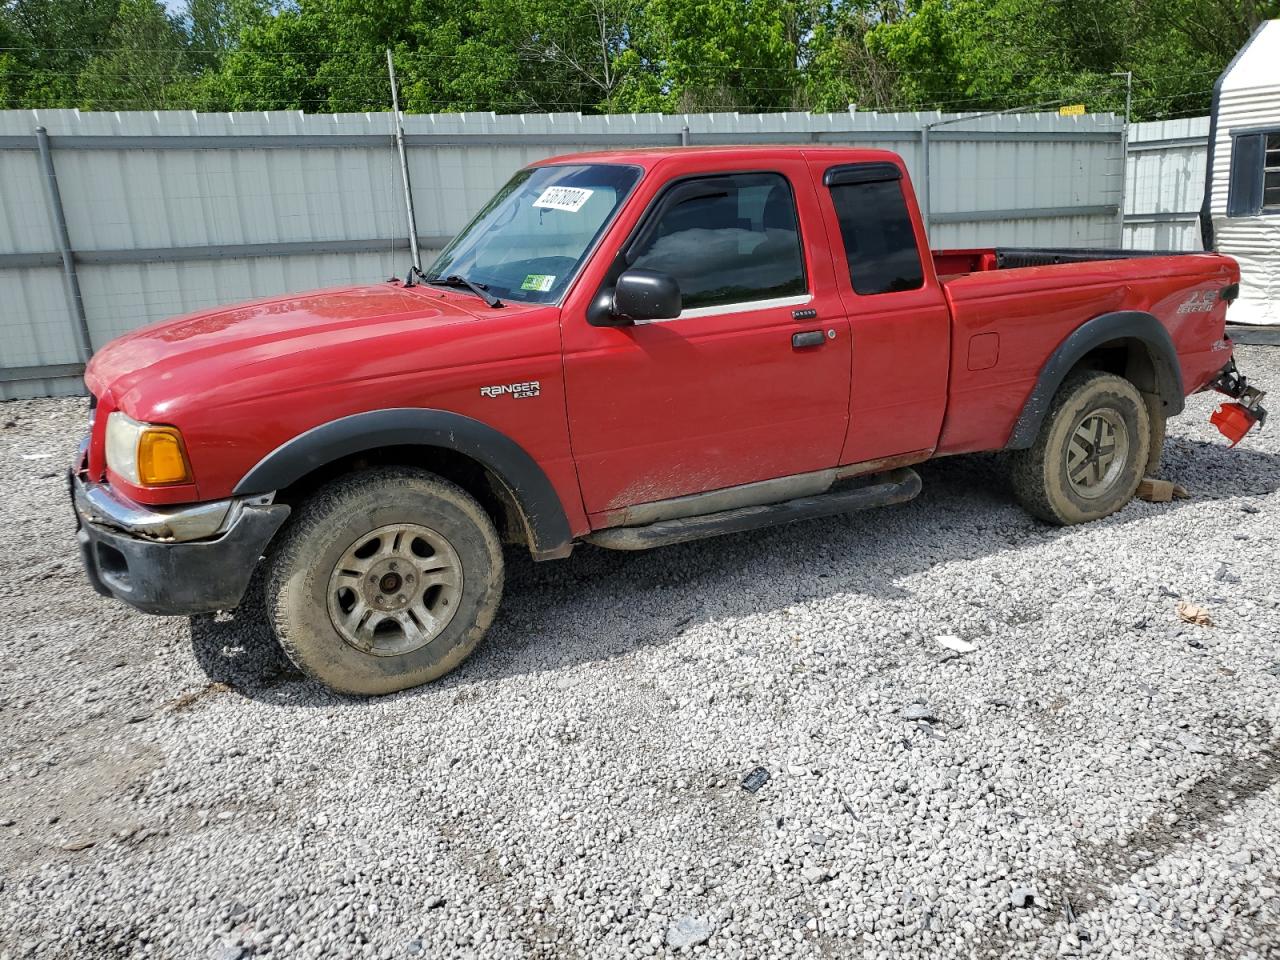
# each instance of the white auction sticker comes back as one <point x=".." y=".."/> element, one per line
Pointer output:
<point x="563" y="198"/>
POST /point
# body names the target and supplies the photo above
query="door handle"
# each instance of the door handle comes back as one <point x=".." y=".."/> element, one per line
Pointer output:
<point x="810" y="338"/>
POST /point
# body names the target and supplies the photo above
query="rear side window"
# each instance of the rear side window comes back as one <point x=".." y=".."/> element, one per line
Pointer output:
<point x="735" y="239"/>
<point x="879" y="241"/>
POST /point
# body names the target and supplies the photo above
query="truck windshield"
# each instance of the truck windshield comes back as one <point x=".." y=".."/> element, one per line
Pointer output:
<point x="529" y="240"/>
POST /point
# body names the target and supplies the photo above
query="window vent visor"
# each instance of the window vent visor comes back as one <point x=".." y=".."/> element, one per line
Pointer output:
<point x="861" y="173"/>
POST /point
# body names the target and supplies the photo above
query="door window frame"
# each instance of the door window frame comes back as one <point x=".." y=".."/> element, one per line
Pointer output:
<point x="657" y="207"/>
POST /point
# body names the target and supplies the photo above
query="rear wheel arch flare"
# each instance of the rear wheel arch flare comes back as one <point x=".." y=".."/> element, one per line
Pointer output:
<point x="1129" y="343"/>
<point x="521" y="478"/>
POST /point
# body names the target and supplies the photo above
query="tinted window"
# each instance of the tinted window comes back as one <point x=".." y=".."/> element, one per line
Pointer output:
<point x="733" y="242"/>
<point x="879" y="241"/>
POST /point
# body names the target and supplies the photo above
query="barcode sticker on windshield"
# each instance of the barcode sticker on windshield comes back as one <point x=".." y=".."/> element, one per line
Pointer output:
<point x="563" y="198"/>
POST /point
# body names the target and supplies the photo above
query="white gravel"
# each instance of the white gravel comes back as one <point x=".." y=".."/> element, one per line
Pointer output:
<point x="1094" y="778"/>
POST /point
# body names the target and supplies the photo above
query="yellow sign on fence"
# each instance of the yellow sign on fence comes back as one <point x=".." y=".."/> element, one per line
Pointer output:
<point x="1071" y="110"/>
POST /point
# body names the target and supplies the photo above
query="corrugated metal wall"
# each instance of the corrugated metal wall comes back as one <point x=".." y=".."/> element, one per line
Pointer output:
<point x="1165" y="184"/>
<point x="173" y="212"/>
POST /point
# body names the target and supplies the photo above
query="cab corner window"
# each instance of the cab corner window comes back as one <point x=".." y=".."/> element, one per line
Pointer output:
<point x="879" y="240"/>
<point x="734" y="239"/>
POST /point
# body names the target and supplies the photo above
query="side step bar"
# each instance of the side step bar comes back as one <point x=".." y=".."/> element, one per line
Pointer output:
<point x="896" y="486"/>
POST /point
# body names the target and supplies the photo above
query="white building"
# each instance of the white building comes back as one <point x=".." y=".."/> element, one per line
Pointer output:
<point x="1241" y="212"/>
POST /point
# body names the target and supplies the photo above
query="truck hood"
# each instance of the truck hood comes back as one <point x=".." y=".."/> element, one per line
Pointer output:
<point x="152" y="368"/>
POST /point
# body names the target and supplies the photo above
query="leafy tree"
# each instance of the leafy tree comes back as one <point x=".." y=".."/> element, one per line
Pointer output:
<point x="50" y="42"/>
<point x="619" y="55"/>
<point x="971" y="54"/>
<point x="695" y="55"/>
<point x="841" y="68"/>
<point x="144" y="64"/>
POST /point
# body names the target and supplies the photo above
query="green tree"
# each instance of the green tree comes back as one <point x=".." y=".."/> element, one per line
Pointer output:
<point x="972" y="54"/>
<point x="50" y="42"/>
<point x="619" y="55"/>
<point x="840" y="67"/>
<point x="695" y="55"/>
<point x="144" y="65"/>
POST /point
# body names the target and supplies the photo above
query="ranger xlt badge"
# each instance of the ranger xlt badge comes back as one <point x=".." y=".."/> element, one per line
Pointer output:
<point x="530" y="388"/>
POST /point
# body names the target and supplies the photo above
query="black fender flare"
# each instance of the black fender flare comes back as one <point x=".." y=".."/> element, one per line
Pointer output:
<point x="528" y="485"/>
<point x="1108" y="327"/>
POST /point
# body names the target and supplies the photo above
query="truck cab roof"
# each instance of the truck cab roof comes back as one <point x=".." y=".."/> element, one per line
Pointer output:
<point x="650" y="157"/>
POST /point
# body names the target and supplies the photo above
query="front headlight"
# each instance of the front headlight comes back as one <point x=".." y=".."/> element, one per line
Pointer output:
<point x="145" y="454"/>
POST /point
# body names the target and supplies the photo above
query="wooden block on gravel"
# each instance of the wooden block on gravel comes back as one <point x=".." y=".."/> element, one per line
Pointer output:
<point x="1155" y="491"/>
<point x="1161" y="491"/>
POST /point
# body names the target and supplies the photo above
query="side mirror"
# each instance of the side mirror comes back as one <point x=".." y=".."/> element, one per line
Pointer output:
<point x="645" y="295"/>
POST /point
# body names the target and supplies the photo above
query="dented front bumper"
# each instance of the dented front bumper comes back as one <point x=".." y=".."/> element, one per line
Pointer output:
<point x="133" y="553"/>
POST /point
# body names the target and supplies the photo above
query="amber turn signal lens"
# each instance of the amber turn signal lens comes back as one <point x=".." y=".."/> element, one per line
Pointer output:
<point x="161" y="459"/>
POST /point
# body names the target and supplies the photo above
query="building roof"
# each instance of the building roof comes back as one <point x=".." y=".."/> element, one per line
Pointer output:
<point x="1258" y="64"/>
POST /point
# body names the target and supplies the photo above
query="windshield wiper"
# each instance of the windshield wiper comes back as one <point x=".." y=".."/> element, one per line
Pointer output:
<point x="454" y="280"/>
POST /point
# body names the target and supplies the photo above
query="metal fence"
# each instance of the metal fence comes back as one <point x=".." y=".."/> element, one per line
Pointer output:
<point x="1164" y="184"/>
<point x="115" y="220"/>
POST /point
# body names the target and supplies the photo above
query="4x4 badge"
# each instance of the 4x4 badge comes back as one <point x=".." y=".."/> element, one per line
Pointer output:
<point x="530" y="388"/>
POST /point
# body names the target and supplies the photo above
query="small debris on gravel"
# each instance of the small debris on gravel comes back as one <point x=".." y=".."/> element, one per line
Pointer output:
<point x="756" y="779"/>
<point x="1023" y="897"/>
<point x="689" y="932"/>
<point x="1192" y="613"/>
<point x="955" y="643"/>
<point x="918" y="711"/>
<point x="573" y="790"/>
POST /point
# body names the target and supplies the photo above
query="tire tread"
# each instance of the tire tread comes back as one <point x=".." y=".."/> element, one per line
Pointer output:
<point x="318" y="512"/>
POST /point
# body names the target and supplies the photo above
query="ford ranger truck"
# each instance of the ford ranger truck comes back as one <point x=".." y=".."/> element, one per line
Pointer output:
<point x="629" y="349"/>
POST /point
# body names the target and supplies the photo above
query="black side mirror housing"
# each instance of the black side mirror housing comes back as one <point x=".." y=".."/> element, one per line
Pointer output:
<point x="646" y="295"/>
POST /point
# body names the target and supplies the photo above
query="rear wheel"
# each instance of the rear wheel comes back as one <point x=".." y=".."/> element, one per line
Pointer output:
<point x="384" y="580"/>
<point x="1090" y="454"/>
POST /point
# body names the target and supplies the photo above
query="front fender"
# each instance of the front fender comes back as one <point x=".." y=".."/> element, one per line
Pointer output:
<point x="422" y="427"/>
<point x="1107" y="328"/>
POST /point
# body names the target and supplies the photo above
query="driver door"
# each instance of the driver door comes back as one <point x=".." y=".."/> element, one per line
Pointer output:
<point x="726" y="393"/>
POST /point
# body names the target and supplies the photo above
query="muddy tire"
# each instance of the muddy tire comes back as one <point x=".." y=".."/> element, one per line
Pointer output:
<point x="1091" y="453"/>
<point x="384" y="580"/>
<point x="1155" y="448"/>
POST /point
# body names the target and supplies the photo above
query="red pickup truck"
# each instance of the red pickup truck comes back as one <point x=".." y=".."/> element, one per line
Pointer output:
<point x="629" y="349"/>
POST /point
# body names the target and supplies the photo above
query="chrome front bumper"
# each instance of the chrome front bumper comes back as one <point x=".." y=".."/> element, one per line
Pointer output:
<point x="99" y="503"/>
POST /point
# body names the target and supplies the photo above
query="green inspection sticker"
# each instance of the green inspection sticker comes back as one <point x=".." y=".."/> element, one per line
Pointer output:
<point x="538" y="281"/>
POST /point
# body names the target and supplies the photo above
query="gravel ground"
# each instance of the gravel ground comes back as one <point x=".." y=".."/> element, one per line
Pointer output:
<point x="1094" y="778"/>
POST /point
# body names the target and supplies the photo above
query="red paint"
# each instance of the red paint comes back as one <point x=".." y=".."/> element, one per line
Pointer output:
<point x="634" y="414"/>
<point x="984" y="351"/>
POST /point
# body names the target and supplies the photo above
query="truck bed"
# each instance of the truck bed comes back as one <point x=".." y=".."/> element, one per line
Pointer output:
<point x="1012" y="307"/>
<point x="956" y="263"/>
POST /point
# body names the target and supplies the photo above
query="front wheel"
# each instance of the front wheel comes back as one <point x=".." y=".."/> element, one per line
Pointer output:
<point x="1090" y="454"/>
<point x="384" y="580"/>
